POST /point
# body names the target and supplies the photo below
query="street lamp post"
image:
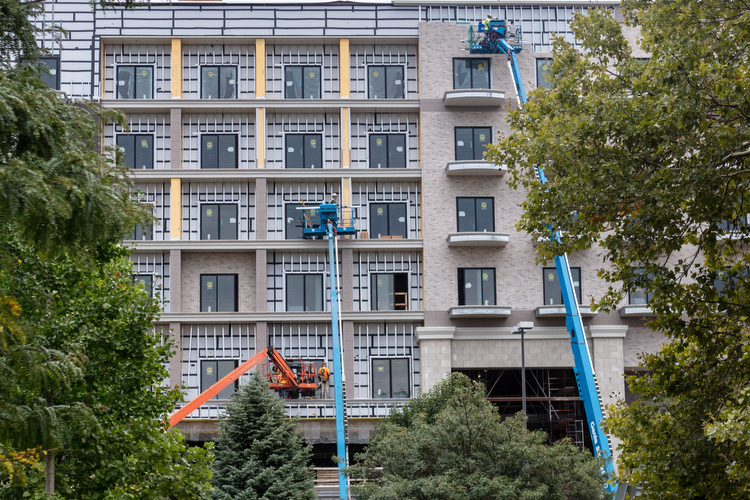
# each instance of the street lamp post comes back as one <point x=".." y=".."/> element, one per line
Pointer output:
<point x="521" y="328"/>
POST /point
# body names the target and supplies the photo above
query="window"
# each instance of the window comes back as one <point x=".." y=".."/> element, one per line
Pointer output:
<point x="385" y="82"/>
<point x="218" y="292"/>
<point x="219" y="151"/>
<point x="214" y="370"/>
<point x="135" y="82"/>
<point x="475" y="214"/>
<point x="738" y="225"/>
<point x="541" y="81"/>
<point x="49" y="71"/>
<point x="387" y="219"/>
<point x="389" y="292"/>
<point x="471" y="141"/>
<point x="471" y="73"/>
<point x="146" y="281"/>
<point x="142" y="233"/>
<point x="639" y="296"/>
<point x="304" y="151"/>
<point x="387" y="151"/>
<point x="219" y="222"/>
<point x="302" y="82"/>
<point x="476" y="287"/>
<point x="138" y="150"/>
<point x="218" y="82"/>
<point x="304" y="292"/>
<point x="728" y="279"/>
<point x="293" y="217"/>
<point x="553" y="292"/>
<point x="390" y="378"/>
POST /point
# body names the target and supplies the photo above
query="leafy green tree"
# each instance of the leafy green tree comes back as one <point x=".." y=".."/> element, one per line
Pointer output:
<point x="258" y="453"/>
<point x="453" y="444"/>
<point x="652" y="157"/>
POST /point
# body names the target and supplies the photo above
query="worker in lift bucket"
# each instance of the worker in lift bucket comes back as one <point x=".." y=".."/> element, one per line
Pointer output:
<point x="334" y="199"/>
<point x="487" y="33"/>
<point x="324" y="374"/>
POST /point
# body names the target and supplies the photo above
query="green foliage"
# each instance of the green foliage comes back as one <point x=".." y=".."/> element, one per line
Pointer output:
<point x="653" y="158"/>
<point x="258" y="453"/>
<point x="455" y="445"/>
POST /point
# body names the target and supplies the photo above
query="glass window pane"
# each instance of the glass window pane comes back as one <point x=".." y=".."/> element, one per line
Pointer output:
<point x="224" y="367"/>
<point x="48" y="71"/>
<point x="397" y="219"/>
<point x="210" y="82"/>
<point x="488" y="287"/>
<point x="227" y="293"/>
<point x="400" y="378"/>
<point x="126" y="143"/>
<point x="144" y="82"/>
<point x="485" y="220"/>
<point x="210" y="219"/>
<point x="295" y="151"/>
<point x="552" y="292"/>
<point x="313" y="151"/>
<point x="395" y="82"/>
<point x="145" y="281"/>
<point x="376" y="82"/>
<point x="228" y="82"/>
<point x="464" y="146"/>
<point x="293" y="82"/>
<point x="314" y="292"/>
<point x="541" y="80"/>
<point x="482" y="137"/>
<point x="208" y="292"/>
<point x="480" y="73"/>
<point x="209" y="374"/>
<point x="144" y="151"/>
<point x="381" y="378"/>
<point x="228" y="222"/>
<point x="461" y="74"/>
<point x="466" y="214"/>
<point x="311" y="82"/>
<point x="378" y="151"/>
<point x="209" y="151"/>
<point x="381" y="286"/>
<point x="378" y="220"/>
<point x="293" y="221"/>
<point x="295" y="292"/>
<point x="472" y="287"/>
<point x="125" y="82"/>
<point x="228" y="151"/>
<point x="397" y="151"/>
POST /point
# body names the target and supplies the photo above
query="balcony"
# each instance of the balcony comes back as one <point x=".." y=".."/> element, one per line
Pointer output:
<point x="479" y="311"/>
<point x="475" y="167"/>
<point x="558" y="311"/>
<point x="474" y="97"/>
<point x="478" y="239"/>
<point x="636" y="311"/>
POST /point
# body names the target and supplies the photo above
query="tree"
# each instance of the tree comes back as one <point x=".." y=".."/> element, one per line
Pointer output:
<point x="258" y="454"/>
<point x="652" y="158"/>
<point x="451" y="443"/>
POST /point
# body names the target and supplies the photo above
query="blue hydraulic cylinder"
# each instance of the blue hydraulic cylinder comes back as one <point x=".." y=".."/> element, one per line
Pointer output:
<point x="337" y="372"/>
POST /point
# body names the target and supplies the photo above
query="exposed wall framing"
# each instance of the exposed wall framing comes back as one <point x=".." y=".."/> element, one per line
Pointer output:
<point x="362" y="56"/>
<point x="364" y="124"/>
<point x="368" y="263"/>
<point x="210" y="341"/>
<point x="194" y="194"/>
<point x="159" y="56"/>
<point x="325" y="56"/>
<point x="196" y="124"/>
<point x="311" y="341"/>
<point x="154" y="124"/>
<point x="281" y="124"/>
<point x="155" y="194"/>
<point x="280" y="264"/>
<point x="194" y="56"/>
<point x="281" y="193"/>
<point x="156" y="265"/>
<point x="383" y="340"/>
<point x="364" y="193"/>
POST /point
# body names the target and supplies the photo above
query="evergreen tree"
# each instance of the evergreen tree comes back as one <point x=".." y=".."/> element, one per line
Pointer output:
<point x="258" y="453"/>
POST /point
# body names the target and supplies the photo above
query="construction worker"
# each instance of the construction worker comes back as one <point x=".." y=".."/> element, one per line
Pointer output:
<point x="334" y="199"/>
<point x="486" y="23"/>
<point x="323" y="375"/>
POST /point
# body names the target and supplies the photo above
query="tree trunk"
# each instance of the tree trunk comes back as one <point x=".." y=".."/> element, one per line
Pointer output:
<point x="49" y="463"/>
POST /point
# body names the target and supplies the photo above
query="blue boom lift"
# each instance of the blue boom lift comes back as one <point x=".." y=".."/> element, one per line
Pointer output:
<point x="498" y="38"/>
<point x="334" y="221"/>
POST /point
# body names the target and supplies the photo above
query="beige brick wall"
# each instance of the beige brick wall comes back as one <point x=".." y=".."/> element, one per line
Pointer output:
<point x="240" y="263"/>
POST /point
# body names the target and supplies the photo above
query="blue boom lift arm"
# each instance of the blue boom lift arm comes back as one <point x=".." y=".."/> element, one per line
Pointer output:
<point x="497" y="38"/>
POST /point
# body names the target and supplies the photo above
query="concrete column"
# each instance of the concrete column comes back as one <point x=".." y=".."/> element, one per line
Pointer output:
<point x="175" y="362"/>
<point x="435" y="354"/>
<point x="261" y="209"/>
<point x="175" y="281"/>
<point x="261" y="280"/>
<point x="261" y="336"/>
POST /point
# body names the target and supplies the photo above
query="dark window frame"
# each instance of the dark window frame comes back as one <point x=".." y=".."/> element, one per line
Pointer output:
<point x="391" y="394"/>
<point x="388" y="150"/>
<point x="46" y="76"/>
<point x="395" y="290"/>
<point x="558" y="291"/>
<point x="221" y="235"/>
<point x="391" y="231"/>
<point x="135" y="67"/>
<point x="305" y="162"/>
<point x="387" y="68"/>
<point x="136" y="138"/>
<point x="305" y="298"/>
<point x="541" y="81"/>
<point x="462" y="285"/>
<point x="148" y="287"/>
<point x="474" y="150"/>
<point x="230" y="389"/>
<point x="298" y="215"/>
<point x="472" y="75"/>
<point x="216" y="279"/>
<point x="220" y="68"/>
<point x="304" y="88"/>
<point x="477" y="200"/>
<point x="203" y="156"/>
